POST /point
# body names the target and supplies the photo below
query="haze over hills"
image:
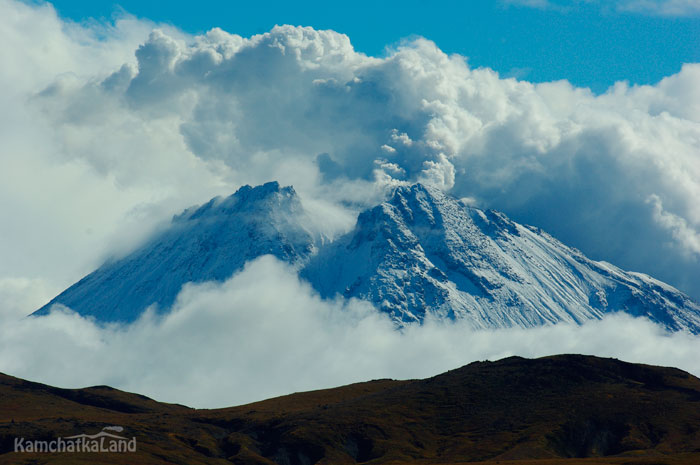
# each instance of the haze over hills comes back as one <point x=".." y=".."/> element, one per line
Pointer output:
<point x="568" y="409"/>
<point x="420" y="254"/>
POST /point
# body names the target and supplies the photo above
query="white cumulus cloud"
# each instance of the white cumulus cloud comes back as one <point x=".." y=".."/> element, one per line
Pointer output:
<point x="194" y="116"/>
<point x="682" y="232"/>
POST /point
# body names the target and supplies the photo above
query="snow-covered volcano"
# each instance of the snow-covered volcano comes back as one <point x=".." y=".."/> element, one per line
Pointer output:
<point x="206" y="243"/>
<point x="421" y="254"/>
<point x="425" y="253"/>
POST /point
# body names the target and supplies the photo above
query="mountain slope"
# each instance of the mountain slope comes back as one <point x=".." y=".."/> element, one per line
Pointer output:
<point x="566" y="409"/>
<point x="204" y="243"/>
<point x="421" y="254"/>
<point x="424" y="254"/>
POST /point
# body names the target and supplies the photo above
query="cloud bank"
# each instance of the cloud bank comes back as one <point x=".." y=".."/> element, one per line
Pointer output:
<point x="122" y="125"/>
<point x="236" y="342"/>
<point x="109" y="129"/>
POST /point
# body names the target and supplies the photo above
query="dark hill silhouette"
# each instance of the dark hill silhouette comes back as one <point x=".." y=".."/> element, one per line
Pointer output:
<point x="569" y="409"/>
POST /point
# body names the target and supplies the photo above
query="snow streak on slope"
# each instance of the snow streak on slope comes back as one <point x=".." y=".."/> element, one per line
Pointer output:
<point x="423" y="253"/>
<point x="207" y="243"/>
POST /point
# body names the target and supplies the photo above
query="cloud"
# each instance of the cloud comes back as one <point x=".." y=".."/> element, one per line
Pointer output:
<point x="682" y="232"/>
<point x="77" y="175"/>
<point x="301" y="106"/>
<point x="557" y="5"/>
<point x="669" y="8"/>
<point x="249" y="344"/>
<point x="662" y="7"/>
<point x="152" y="121"/>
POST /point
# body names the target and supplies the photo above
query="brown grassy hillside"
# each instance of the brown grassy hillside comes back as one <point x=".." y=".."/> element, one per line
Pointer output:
<point x="564" y="409"/>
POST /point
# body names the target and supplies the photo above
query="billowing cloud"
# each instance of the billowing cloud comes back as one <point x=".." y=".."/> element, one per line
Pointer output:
<point x="684" y="234"/>
<point x="236" y="342"/>
<point x="86" y="178"/>
<point x="190" y="117"/>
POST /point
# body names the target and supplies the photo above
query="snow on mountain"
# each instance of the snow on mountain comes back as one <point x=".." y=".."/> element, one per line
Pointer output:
<point x="424" y="253"/>
<point x="205" y="243"/>
<point x="421" y="254"/>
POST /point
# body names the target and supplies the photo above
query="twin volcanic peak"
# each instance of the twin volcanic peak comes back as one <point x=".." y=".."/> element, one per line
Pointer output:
<point x="419" y="255"/>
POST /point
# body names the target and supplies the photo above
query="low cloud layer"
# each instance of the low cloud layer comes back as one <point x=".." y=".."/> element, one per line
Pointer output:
<point x="236" y="342"/>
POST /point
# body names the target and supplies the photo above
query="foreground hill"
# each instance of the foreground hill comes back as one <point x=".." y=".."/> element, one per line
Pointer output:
<point x="563" y="409"/>
<point x="420" y="254"/>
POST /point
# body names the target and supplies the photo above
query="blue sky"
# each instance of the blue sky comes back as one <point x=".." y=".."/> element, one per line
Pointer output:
<point x="579" y="40"/>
